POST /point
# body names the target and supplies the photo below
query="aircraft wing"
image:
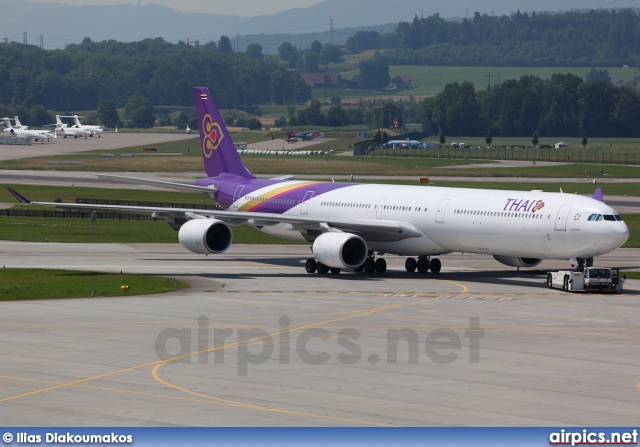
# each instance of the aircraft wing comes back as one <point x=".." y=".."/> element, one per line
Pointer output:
<point x="368" y="229"/>
<point x="161" y="184"/>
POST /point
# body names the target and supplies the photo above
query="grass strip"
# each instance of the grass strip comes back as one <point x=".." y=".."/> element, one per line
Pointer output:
<point x="35" y="284"/>
<point x="113" y="231"/>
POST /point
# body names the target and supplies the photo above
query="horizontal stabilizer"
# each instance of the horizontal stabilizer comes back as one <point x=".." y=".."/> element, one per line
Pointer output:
<point x="18" y="196"/>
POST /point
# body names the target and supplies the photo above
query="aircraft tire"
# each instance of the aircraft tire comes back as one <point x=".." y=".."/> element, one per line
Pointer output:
<point x="369" y="265"/>
<point x="410" y="264"/>
<point x="435" y="266"/>
<point x="358" y="269"/>
<point x="322" y="269"/>
<point x="311" y="265"/>
<point x="381" y="266"/>
<point x="423" y="265"/>
<point x="335" y="271"/>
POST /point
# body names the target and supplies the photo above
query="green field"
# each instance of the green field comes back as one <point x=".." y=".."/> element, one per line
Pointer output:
<point x="22" y="284"/>
<point x="32" y="229"/>
<point x="431" y="80"/>
<point x="68" y="194"/>
<point x="617" y="157"/>
<point x="428" y="80"/>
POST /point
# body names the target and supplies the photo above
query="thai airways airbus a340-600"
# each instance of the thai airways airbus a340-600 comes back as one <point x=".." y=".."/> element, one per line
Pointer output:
<point x="351" y="225"/>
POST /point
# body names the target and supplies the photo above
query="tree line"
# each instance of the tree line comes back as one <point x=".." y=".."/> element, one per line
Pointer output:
<point x="564" y="105"/>
<point x="381" y="114"/>
<point x="600" y="38"/>
<point x="82" y="75"/>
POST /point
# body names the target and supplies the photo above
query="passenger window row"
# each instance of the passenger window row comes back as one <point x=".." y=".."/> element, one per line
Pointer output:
<point x="402" y="208"/>
<point x="266" y="199"/>
<point x="369" y="206"/>
<point x="500" y="214"/>
<point x="346" y="205"/>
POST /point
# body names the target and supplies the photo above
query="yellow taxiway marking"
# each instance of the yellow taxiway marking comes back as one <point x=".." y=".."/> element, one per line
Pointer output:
<point x="155" y="370"/>
<point x="77" y="382"/>
<point x="158" y="364"/>
<point x="206" y="400"/>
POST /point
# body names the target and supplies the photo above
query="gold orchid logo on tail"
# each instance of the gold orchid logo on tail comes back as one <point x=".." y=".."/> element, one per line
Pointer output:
<point x="212" y="135"/>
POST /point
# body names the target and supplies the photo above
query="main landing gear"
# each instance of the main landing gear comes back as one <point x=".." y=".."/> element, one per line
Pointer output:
<point x="423" y="265"/>
<point x="379" y="265"/>
<point x="312" y="266"/>
<point x="372" y="265"/>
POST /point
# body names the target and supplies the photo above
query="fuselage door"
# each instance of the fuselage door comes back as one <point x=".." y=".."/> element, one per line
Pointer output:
<point x="441" y="209"/>
<point x="380" y="206"/>
<point x="304" y="206"/>
<point x="238" y="193"/>
<point x="561" y="218"/>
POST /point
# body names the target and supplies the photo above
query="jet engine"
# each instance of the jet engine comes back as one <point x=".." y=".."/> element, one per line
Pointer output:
<point x="205" y="236"/>
<point x="515" y="261"/>
<point x="340" y="250"/>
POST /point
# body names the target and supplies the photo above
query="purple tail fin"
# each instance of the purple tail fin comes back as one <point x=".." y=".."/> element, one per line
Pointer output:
<point x="597" y="194"/>
<point x="218" y="151"/>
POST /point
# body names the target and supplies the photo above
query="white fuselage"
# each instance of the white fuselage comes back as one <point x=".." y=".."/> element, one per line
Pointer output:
<point x="509" y="223"/>
<point x="67" y="131"/>
<point x="32" y="134"/>
<point x="84" y="127"/>
<point x="71" y="132"/>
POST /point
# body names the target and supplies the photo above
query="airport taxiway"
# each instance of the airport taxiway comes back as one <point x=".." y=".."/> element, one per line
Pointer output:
<point x="105" y="142"/>
<point x="256" y="341"/>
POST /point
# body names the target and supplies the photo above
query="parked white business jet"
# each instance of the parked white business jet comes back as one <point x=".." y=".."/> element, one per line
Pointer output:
<point x="67" y="131"/>
<point x="36" y="135"/>
<point x="93" y="130"/>
<point x="350" y="225"/>
<point x="17" y="124"/>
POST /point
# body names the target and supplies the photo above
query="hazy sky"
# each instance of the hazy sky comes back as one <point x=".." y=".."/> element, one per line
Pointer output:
<point x="242" y="8"/>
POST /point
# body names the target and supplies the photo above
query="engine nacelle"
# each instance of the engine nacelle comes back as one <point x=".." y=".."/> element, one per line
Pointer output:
<point x="205" y="236"/>
<point x="340" y="250"/>
<point x="514" y="261"/>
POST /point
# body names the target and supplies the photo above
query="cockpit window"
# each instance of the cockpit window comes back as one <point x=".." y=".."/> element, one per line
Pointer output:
<point x="607" y="217"/>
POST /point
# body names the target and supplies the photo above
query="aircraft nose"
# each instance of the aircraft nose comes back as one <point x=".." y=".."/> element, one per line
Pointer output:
<point x="617" y="235"/>
<point x="622" y="234"/>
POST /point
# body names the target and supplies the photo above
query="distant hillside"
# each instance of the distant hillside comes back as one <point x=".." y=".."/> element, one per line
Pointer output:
<point x="61" y="24"/>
